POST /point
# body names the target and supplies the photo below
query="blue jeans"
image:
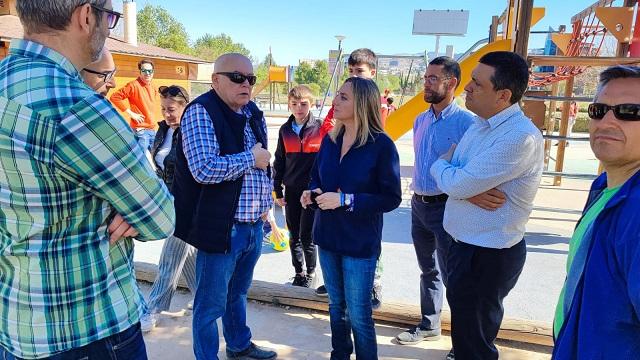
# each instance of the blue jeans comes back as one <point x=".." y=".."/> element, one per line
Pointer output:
<point x="430" y="241"/>
<point x="349" y="281"/>
<point x="223" y="282"/>
<point x="126" y="345"/>
<point x="145" y="138"/>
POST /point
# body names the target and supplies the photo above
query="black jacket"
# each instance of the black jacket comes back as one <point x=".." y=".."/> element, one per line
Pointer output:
<point x="295" y="154"/>
<point x="169" y="162"/>
<point x="205" y="212"/>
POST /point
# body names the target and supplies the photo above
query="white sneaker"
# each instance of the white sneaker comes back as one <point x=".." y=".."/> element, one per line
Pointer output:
<point x="148" y="322"/>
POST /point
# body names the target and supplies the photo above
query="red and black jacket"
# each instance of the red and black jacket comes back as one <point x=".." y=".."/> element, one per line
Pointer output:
<point x="295" y="154"/>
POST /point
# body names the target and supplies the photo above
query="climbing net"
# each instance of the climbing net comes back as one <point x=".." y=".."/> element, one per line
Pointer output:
<point x="588" y="37"/>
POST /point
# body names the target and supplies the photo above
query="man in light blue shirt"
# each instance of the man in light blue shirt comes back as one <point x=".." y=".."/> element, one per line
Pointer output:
<point x="503" y="150"/>
<point x="434" y="131"/>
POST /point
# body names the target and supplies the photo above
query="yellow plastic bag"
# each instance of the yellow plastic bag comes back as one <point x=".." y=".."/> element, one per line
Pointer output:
<point x="279" y="238"/>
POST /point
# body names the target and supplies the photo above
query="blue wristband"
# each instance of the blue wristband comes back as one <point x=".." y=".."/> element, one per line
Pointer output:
<point x="341" y="199"/>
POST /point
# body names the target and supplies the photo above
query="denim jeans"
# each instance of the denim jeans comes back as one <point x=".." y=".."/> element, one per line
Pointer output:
<point x="223" y="282"/>
<point x="126" y="345"/>
<point x="349" y="281"/>
<point x="145" y="138"/>
<point x="431" y="242"/>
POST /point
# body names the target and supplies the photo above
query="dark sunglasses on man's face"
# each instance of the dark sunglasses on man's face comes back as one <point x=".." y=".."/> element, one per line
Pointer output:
<point x="112" y="16"/>
<point x="106" y="75"/>
<point x="624" y="112"/>
<point x="172" y="91"/>
<point x="239" y="78"/>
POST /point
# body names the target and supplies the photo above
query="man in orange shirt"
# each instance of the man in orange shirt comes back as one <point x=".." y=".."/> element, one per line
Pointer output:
<point x="141" y="96"/>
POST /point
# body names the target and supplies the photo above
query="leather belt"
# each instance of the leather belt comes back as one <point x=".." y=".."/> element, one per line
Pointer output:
<point x="431" y="199"/>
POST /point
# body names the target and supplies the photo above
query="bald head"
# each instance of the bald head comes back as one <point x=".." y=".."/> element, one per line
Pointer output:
<point x="228" y="62"/>
<point x="100" y="75"/>
<point x="227" y="71"/>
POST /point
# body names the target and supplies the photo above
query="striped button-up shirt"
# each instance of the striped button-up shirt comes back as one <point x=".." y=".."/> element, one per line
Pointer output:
<point x="202" y="151"/>
<point x="504" y="152"/>
<point x="68" y="163"/>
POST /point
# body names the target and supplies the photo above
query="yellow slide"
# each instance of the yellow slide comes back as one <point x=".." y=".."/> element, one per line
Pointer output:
<point x="259" y="88"/>
<point x="401" y="120"/>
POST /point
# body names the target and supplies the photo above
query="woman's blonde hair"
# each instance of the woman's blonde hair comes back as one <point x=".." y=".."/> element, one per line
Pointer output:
<point x="366" y="111"/>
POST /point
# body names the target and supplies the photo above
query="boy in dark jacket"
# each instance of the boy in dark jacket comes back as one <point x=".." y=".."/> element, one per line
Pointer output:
<point x="298" y="143"/>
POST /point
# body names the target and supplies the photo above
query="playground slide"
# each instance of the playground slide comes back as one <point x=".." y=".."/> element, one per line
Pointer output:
<point x="259" y="88"/>
<point x="401" y="120"/>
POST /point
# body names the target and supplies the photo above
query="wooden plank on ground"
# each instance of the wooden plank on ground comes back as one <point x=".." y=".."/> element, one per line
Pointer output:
<point x="520" y="330"/>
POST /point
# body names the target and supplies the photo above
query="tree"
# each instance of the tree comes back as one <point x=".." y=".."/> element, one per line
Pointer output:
<point x="157" y="27"/>
<point x="316" y="74"/>
<point x="210" y="47"/>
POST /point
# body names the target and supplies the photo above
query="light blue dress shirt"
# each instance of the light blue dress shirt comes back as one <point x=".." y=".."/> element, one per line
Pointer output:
<point x="432" y="137"/>
<point x="503" y="152"/>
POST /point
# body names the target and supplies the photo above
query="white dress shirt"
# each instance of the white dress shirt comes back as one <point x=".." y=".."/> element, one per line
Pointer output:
<point x="505" y="152"/>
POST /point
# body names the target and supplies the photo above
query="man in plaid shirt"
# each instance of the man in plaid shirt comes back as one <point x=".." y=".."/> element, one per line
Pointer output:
<point x="222" y="194"/>
<point x="73" y="182"/>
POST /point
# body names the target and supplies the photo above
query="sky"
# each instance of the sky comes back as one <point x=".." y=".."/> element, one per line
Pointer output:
<point x="305" y="29"/>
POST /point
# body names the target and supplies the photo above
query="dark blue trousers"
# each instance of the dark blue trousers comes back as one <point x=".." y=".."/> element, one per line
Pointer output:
<point x="478" y="281"/>
<point x="431" y="243"/>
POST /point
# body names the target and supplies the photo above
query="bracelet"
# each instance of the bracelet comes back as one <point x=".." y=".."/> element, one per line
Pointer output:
<point x="341" y="199"/>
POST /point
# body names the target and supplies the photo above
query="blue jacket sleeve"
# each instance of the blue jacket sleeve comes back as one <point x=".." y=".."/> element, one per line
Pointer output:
<point x="388" y="178"/>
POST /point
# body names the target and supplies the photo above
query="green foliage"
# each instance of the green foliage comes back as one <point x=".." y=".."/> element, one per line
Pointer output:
<point x="317" y="74"/>
<point x="157" y="27"/>
<point x="210" y="47"/>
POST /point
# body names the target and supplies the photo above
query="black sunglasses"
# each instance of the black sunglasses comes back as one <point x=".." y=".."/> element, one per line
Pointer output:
<point x="106" y="75"/>
<point x="624" y="112"/>
<point x="112" y="16"/>
<point x="239" y="78"/>
<point x="172" y="91"/>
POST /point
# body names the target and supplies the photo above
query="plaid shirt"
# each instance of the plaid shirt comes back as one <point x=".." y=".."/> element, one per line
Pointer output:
<point x="68" y="163"/>
<point x="202" y="151"/>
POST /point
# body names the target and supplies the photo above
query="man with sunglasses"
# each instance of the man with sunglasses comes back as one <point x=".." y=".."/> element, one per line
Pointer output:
<point x="597" y="316"/>
<point x="69" y="167"/>
<point x="100" y="75"/>
<point x="222" y="193"/>
<point x="138" y="100"/>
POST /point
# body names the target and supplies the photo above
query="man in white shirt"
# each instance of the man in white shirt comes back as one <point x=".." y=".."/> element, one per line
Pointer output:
<point x="503" y="151"/>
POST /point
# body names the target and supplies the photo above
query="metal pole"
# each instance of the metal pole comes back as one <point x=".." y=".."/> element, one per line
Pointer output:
<point x="406" y="83"/>
<point x="326" y="93"/>
<point x="437" y="45"/>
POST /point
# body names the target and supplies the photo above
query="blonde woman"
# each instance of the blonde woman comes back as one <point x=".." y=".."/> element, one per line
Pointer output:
<point x="177" y="256"/>
<point x="355" y="179"/>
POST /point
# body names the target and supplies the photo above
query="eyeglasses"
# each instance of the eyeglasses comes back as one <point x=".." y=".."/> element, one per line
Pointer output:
<point x="106" y="75"/>
<point x="112" y="16"/>
<point x="239" y="78"/>
<point x="147" y="71"/>
<point x="432" y="79"/>
<point x="624" y="112"/>
<point x="172" y="91"/>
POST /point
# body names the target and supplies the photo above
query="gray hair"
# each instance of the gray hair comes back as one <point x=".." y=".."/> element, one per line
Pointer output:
<point x="38" y="16"/>
<point x="617" y="72"/>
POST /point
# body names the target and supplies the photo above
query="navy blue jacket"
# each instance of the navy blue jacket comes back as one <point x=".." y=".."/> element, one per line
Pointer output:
<point x="370" y="172"/>
<point x="204" y="212"/>
<point x="603" y="321"/>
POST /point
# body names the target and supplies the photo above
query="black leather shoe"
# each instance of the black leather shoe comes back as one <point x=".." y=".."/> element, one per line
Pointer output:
<point x="252" y="352"/>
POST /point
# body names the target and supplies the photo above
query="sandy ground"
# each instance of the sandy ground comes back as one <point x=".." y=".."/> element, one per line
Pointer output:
<point x="298" y="334"/>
